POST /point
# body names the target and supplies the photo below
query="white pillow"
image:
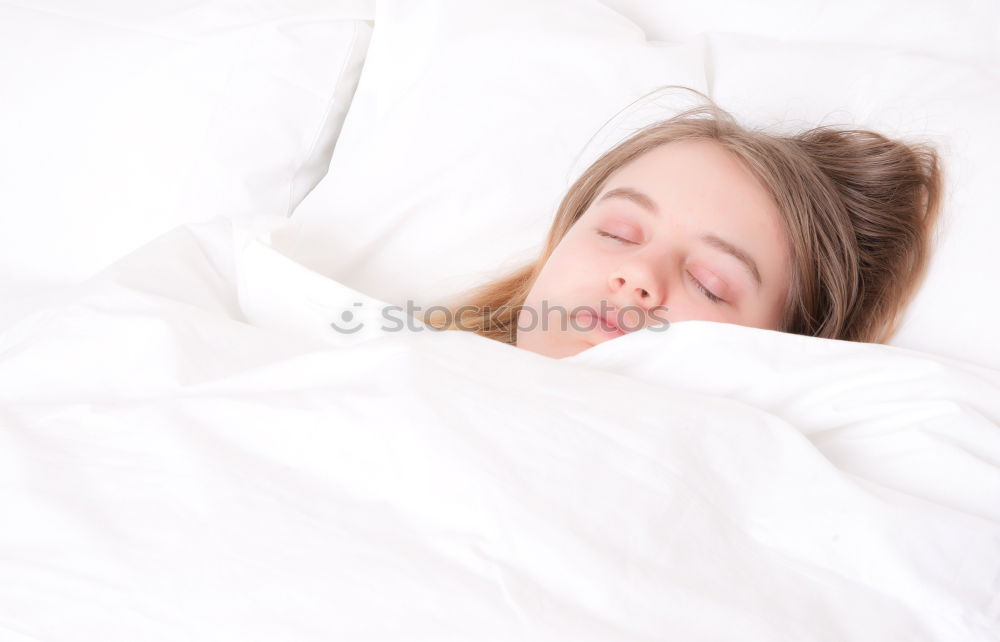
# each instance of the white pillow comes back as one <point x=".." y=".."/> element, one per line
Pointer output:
<point x="122" y="120"/>
<point x="958" y="29"/>
<point x="471" y="121"/>
<point x="458" y="145"/>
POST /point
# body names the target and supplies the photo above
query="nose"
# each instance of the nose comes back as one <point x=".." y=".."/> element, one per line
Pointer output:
<point x="635" y="283"/>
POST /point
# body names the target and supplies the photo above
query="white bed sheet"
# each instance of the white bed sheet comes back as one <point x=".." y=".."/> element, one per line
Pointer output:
<point x="189" y="451"/>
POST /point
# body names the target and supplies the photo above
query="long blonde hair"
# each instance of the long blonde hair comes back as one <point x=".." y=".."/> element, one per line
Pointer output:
<point x="858" y="210"/>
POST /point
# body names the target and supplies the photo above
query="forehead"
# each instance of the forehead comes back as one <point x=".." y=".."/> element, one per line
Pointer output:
<point x="698" y="178"/>
<point x="696" y="165"/>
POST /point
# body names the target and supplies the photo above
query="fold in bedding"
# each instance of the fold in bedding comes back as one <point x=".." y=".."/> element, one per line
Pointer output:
<point x="189" y="450"/>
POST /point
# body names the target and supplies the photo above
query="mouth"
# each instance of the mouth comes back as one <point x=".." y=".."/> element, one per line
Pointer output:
<point x="603" y="325"/>
<point x="609" y="320"/>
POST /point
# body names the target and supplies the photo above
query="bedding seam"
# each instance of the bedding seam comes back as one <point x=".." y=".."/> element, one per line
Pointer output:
<point x="348" y="59"/>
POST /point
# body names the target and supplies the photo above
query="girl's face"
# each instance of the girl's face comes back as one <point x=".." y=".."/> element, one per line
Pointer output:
<point x="683" y="232"/>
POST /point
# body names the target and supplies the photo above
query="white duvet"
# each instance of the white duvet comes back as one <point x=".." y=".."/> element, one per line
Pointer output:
<point x="189" y="451"/>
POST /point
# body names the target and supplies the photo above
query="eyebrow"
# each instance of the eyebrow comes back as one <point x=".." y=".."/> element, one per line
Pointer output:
<point x="649" y="205"/>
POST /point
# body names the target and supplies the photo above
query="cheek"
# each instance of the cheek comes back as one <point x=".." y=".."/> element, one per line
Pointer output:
<point x="584" y="258"/>
<point x="559" y="273"/>
<point x="686" y="308"/>
<point x="776" y="312"/>
<point x="573" y="272"/>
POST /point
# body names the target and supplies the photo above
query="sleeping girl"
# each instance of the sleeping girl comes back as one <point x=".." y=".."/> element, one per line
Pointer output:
<point x="824" y="233"/>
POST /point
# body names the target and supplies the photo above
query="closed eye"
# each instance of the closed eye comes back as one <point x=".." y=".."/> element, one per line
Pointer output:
<point x="705" y="291"/>
<point x="617" y="238"/>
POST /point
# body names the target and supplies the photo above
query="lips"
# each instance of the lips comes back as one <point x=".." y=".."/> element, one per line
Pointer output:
<point x="602" y="325"/>
<point x="609" y="320"/>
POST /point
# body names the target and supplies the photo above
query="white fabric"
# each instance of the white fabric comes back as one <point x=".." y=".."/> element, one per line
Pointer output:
<point x="471" y="120"/>
<point x="458" y="145"/>
<point x="189" y="449"/>
<point x="955" y="29"/>
<point x="120" y="120"/>
<point x="189" y="452"/>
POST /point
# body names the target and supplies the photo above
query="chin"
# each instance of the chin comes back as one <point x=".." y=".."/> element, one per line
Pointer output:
<point x="570" y="349"/>
<point x="553" y="349"/>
